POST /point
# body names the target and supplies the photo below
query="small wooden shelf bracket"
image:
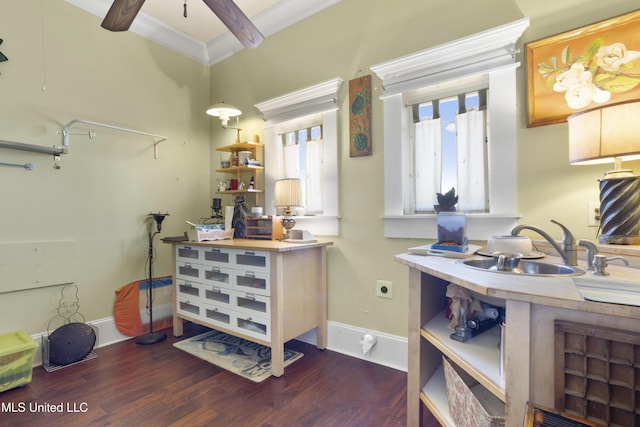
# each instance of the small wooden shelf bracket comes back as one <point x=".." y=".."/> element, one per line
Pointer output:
<point x="67" y="132"/>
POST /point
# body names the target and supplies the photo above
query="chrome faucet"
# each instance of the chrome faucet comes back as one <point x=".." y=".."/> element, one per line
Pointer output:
<point x="569" y="249"/>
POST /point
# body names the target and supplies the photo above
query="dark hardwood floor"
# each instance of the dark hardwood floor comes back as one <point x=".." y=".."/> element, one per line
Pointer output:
<point x="159" y="385"/>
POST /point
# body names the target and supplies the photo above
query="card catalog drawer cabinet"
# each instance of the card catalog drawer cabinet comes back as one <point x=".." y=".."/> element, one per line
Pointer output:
<point x="269" y="292"/>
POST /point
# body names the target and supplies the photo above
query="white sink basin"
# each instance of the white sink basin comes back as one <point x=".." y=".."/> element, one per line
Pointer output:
<point x="608" y="289"/>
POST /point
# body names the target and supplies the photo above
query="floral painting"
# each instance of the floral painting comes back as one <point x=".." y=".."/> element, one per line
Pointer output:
<point x="583" y="69"/>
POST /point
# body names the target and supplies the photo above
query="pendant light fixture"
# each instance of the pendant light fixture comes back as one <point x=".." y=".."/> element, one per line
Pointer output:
<point x="224" y="111"/>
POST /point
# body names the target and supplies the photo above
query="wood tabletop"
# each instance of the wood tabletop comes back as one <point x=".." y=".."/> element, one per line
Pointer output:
<point x="261" y="245"/>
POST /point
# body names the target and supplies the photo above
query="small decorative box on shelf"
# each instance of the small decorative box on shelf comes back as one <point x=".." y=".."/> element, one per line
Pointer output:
<point x="264" y="227"/>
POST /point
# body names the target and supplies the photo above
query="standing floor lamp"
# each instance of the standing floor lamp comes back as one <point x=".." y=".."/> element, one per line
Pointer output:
<point x="152" y="337"/>
<point x="611" y="134"/>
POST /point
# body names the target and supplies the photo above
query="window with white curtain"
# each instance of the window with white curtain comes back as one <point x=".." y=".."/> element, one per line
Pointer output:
<point x="449" y="140"/>
<point x="417" y="162"/>
<point x="300" y="154"/>
<point x="301" y="141"/>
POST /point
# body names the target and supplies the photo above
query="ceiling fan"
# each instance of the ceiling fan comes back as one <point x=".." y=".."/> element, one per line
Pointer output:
<point x="123" y="12"/>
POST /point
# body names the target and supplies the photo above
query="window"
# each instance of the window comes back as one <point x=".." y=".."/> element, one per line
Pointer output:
<point x="300" y="156"/>
<point x="482" y="61"/>
<point x="449" y="139"/>
<point x="301" y="141"/>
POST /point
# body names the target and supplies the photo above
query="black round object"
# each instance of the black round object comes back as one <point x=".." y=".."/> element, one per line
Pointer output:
<point x="71" y="343"/>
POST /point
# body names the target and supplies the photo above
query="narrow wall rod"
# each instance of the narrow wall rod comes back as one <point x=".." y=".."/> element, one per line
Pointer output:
<point x="56" y="151"/>
<point x="27" y="166"/>
<point x="66" y="132"/>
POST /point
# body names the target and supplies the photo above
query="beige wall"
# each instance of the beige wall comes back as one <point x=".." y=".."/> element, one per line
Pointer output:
<point x="65" y="66"/>
<point x="344" y="41"/>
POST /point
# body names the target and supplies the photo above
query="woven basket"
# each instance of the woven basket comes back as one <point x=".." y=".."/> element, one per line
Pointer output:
<point x="470" y="404"/>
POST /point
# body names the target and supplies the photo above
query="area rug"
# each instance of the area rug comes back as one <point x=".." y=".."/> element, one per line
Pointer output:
<point x="242" y="357"/>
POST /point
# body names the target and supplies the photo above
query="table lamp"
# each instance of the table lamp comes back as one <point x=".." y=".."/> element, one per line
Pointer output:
<point x="288" y="194"/>
<point x="611" y="134"/>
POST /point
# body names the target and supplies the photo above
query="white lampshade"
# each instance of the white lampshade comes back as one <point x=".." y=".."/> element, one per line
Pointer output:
<point x="224" y="111"/>
<point x="609" y="134"/>
<point x="288" y="194"/>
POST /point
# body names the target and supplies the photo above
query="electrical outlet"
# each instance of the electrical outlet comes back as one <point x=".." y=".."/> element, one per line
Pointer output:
<point x="384" y="289"/>
<point x="593" y="218"/>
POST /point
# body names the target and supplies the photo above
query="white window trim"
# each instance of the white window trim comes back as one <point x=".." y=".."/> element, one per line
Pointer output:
<point x="490" y="53"/>
<point x="318" y="99"/>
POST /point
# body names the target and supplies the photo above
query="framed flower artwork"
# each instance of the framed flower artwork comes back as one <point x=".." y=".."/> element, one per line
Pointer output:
<point x="583" y="69"/>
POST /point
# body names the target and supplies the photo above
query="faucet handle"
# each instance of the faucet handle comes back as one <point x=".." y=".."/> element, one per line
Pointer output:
<point x="567" y="237"/>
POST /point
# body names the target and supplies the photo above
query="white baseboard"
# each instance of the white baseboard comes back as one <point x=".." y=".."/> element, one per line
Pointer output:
<point x="390" y="350"/>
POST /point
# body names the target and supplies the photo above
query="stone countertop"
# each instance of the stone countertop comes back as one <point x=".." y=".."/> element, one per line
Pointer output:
<point x="551" y="291"/>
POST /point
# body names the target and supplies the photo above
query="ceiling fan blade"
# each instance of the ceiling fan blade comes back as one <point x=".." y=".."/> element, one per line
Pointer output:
<point x="121" y="14"/>
<point x="237" y="22"/>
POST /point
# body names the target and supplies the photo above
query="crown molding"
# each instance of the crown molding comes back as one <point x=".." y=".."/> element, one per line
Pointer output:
<point x="270" y="21"/>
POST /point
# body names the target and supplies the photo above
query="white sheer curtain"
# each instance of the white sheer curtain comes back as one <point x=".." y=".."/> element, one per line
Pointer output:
<point x="428" y="163"/>
<point x="313" y="186"/>
<point x="291" y="161"/>
<point x="289" y="165"/>
<point x="471" y="187"/>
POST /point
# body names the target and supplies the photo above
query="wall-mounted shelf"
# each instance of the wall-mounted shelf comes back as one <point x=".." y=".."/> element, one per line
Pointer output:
<point x="254" y="148"/>
<point x="234" y="169"/>
<point x="67" y="132"/>
<point x="241" y="191"/>
<point x="239" y="146"/>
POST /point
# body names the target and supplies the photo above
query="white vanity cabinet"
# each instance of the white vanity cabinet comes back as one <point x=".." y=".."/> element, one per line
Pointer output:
<point x="268" y="292"/>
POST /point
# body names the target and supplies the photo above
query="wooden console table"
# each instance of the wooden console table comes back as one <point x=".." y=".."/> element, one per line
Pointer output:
<point x="265" y="291"/>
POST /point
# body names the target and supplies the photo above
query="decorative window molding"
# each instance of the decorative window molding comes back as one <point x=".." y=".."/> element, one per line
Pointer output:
<point x="320" y="99"/>
<point x="477" y="54"/>
<point x="314" y="99"/>
<point x="489" y="54"/>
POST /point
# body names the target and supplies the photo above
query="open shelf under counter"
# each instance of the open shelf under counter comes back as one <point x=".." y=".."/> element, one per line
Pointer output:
<point x="479" y="356"/>
<point x="434" y="397"/>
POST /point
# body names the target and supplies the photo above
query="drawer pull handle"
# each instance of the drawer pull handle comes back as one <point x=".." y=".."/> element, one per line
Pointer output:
<point x="216" y="290"/>
<point x="250" y="297"/>
<point x="215" y="270"/>
<point x="250" y="274"/>
<point x="217" y="250"/>
<point x="249" y="252"/>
